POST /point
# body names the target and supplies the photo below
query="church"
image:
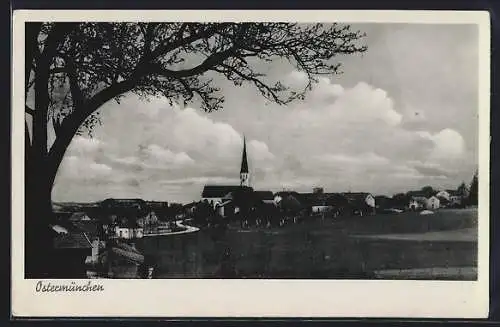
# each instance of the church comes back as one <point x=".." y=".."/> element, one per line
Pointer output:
<point x="228" y="199"/>
<point x="218" y="194"/>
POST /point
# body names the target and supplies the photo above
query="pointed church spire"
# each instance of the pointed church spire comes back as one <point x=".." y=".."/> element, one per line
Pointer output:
<point x="244" y="175"/>
<point x="244" y="163"/>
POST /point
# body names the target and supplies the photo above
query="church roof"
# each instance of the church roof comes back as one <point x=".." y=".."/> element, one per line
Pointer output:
<point x="220" y="191"/>
<point x="244" y="162"/>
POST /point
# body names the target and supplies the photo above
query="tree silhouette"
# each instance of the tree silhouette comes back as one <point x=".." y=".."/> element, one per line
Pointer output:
<point x="462" y="190"/>
<point x="72" y="69"/>
<point x="473" y="191"/>
<point x="428" y="191"/>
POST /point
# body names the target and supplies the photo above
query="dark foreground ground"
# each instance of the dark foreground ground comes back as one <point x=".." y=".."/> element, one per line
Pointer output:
<point x="381" y="246"/>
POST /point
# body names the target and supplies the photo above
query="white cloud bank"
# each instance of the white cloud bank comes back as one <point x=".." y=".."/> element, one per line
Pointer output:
<point x="339" y="137"/>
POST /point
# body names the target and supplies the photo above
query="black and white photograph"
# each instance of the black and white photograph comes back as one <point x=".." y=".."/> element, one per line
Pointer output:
<point x="251" y="150"/>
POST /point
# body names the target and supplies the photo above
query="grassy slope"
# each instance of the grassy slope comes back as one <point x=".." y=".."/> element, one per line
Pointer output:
<point x="317" y="249"/>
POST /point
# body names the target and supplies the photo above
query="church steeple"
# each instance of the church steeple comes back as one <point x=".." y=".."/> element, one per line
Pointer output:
<point x="244" y="175"/>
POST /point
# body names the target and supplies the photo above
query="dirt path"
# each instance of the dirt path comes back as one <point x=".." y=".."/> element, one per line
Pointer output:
<point x="460" y="273"/>
<point x="460" y="235"/>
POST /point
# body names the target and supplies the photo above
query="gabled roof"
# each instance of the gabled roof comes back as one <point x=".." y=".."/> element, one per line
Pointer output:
<point x="157" y="204"/>
<point x="420" y="199"/>
<point x="416" y="194"/>
<point x="79" y="216"/>
<point x="453" y="192"/>
<point x="263" y="195"/>
<point x="355" y="196"/>
<point x="357" y="199"/>
<point x="291" y="201"/>
<point x="323" y="199"/>
<point x="72" y="241"/>
<point x="190" y="205"/>
<point x="129" y="224"/>
<point x="287" y="193"/>
<point x="220" y="191"/>
<point x="91" y="229"/>
<point x="63" y="215"/>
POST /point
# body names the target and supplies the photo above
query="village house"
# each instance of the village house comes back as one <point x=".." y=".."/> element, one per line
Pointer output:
<point x="266" y="197"/>
<point x="361" y="203"/>
<point x="319" y="202"/>
<point x="243" y="199"/>
<point x="383" y="202"/>
<point x="80" y="216"/>
<point x="75" y="249"/>
<point x="128" y="231"/>
<point x="190" y="208"/>
<point x="418" y="201"/>
<point x="288" y="201"/>
<point x="432" y="203"/>
<point x="123" y="216"/>
<point x="450" y="197"/>
<point x="150" y="219"/>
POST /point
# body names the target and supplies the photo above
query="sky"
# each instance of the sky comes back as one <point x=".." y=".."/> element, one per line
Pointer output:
<point x="401" y="116"/>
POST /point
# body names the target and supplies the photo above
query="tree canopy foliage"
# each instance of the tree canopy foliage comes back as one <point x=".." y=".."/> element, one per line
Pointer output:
<point x="473" y="190"/>
<point x="90" y="63"/>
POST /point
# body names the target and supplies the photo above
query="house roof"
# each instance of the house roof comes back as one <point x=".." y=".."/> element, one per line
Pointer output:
<point x="382" y="200"/>
<point x="129" y="224"/>
<point x="286" y="193"/>
<point x="452" y="192"/>
<point x="220" y="191"/>
<point x="90" y="228"/>
<point x="323" y="199"/>
<point x="63" y="215"/>
<point x="190" y="205"/>
<point x="420" y="199"/>
<point x="355" y="196"/>
<point x="291" y="201"/>
<point x="416" y="194"/>
<point x="72" y="241"/>
<point x="79" y="216"/>
<point x="356" y="199"/>
<point x="263" y="195"/>
<point x="157" y="204"/>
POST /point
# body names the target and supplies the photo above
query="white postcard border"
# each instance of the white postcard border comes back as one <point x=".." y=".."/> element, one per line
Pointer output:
<point x="252" y="298"/>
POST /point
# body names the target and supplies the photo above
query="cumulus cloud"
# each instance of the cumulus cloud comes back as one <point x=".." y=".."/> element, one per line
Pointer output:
<point x="363" y="159"/>
<point x="85" y="146"/>
<point x="364" y="103"/>
<point x="259" y="150"/>
<point x="78" y="168"/>
<point x="156" y="154"/>
<point x="448" y="144"/>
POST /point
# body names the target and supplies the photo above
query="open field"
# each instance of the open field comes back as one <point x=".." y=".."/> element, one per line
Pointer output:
<point x="348" y="247"/>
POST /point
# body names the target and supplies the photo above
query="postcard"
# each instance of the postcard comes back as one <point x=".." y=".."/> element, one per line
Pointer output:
<point x="250" y="164"/>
